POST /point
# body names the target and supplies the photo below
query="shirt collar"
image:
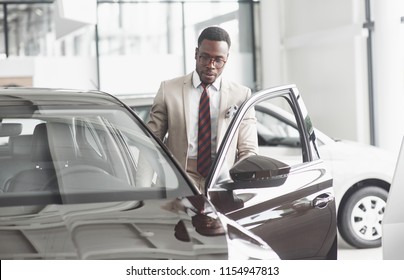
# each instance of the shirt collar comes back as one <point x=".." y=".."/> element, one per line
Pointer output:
<point x="196" y="81"/>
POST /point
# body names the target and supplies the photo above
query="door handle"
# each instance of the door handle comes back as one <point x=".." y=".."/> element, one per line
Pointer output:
<point x="322" y="200"/>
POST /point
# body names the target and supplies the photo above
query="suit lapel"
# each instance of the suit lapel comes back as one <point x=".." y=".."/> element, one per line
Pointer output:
<point x="222" y="124"/>
<point x="185" y="98"/>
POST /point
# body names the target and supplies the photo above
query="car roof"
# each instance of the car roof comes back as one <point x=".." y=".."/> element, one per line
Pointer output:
<point x="48" y="96"/>
<point x="140" y="99"/>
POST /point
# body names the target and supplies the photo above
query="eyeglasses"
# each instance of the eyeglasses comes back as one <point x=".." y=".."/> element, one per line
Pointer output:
<point x="217" y="62"/>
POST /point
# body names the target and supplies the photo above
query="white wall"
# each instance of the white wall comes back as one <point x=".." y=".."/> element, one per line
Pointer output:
<point x="56" y="72"/>
<point x="137" y="74"/>
<point x="389" y="73"/>
<point x="320" y="45"/>
<point x="143" y="74"/>
<point x="17" y="67"/>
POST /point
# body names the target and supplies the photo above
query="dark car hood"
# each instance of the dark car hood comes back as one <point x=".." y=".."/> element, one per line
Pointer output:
<point x="183" y="228"/>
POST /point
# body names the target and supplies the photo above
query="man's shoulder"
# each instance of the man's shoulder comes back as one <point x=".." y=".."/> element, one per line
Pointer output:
<point x="178" y="80"/>
<point x="172" y="87"/>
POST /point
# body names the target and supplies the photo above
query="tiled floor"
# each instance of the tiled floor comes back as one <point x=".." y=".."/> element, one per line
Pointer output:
<point x="360" y="254"/>
<point x="346" y="252"/>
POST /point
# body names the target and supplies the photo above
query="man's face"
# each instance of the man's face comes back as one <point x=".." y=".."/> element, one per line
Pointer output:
<point x="211" y="57"/>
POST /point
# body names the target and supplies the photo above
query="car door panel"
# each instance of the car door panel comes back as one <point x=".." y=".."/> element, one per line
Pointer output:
<point x="293" y="212"/>
<point x="294" y="222"/>
<point x="291" y="223"/>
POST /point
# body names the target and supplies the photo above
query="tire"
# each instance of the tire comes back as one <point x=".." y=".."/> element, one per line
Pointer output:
<point x="360" y="217"/>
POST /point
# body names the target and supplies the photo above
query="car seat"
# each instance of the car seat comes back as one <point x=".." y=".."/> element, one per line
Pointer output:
<point x="52" y="149"/>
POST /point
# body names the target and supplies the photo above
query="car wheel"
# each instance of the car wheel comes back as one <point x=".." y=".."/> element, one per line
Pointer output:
<point x="360" y="217"/>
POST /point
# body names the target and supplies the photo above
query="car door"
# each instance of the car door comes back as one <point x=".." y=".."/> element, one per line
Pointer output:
<point x="290" y="205"/>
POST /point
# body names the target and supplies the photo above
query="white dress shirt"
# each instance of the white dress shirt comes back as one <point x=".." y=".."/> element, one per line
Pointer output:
<point x="194" y="97"/>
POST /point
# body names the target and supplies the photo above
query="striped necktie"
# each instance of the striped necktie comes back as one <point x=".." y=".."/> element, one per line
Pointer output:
<point x="204" y="160"/>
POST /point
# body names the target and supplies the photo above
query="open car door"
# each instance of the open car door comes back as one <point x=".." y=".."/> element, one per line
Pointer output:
<point x="290" y="205"/>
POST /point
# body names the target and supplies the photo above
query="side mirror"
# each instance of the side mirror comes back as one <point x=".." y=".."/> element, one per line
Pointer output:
<point x="259" y="172"/>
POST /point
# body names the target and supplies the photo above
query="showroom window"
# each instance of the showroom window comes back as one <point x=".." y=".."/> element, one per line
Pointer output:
<point x="141" y="43"/>
<point x="2" y="42"/>
<point x="136" y="44"/>
<point x="27" y="32"/>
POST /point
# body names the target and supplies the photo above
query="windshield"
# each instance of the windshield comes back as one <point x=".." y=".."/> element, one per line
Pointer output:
<point x="86" y="154"/>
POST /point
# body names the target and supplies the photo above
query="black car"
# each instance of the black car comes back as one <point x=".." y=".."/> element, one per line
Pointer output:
<point x="82" y="177"/>
<point x="361" y="173"/>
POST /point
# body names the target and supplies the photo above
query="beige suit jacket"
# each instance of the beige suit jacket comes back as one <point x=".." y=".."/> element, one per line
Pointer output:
<point x="170" y="113"/>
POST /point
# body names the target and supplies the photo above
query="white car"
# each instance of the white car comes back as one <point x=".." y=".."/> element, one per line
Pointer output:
<point x="362" y="173"/>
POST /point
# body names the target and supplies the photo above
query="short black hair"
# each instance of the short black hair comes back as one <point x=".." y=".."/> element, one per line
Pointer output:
<point x="214" y="33"/>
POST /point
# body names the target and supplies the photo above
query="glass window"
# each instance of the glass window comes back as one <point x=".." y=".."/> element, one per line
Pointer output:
<point x="26" y="129"/>
<point x="152" y="42"/>
<point x="139" y="28"/>
<point x="278" y="135"/>
<point x="140" y="44"/>
<point x="29" y="29"/>
<point x="143" y="41"/>
<point x="87" y="151"/>
<point x="2" y="41"/>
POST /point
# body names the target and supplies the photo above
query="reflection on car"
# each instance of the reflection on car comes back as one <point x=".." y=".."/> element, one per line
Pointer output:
<point x="362" y="174"/>
<point x="82" y="177"/>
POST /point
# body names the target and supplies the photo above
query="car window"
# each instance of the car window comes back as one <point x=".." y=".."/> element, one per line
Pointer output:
<point x="87" y="151"/>
<point x="276" y="127"/>
<point x="27" y="128"/>
<point x="92" y="140"/>
<point x="278" y="136"/>
<point x="277" y="141"/>
<point x="275" y="130"/>
<point x="142" y="111"/>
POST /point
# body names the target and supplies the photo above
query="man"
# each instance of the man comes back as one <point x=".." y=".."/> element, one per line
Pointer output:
<point x="177" y="110"/>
